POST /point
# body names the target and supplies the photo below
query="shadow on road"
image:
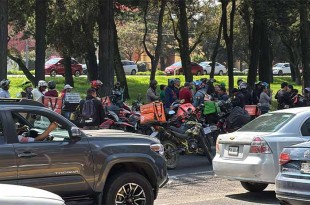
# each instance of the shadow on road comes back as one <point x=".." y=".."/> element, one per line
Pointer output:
<point x="265" y="197"/>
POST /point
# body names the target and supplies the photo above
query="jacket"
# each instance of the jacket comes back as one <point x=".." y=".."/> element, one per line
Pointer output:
<point x="99" y="117"/>
<point x="151" y="95"/>
<point x="170" y="96"/>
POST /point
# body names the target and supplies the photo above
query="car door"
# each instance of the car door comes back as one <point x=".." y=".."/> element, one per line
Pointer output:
<point x="286" y="68"/>
<point x="63" y="166"/>
<point x="126" y="67"/>
<point x="60" y="68"/>
<point x="305" y="130"/>
<point x="8" y="168"/>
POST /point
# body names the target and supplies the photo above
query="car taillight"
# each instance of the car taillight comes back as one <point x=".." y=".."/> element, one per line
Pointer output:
<point x="259" y="145"/>
<point x="284" y="158"/>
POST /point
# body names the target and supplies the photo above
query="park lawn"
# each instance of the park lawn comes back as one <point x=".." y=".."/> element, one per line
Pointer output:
<point x="139" y="84"/>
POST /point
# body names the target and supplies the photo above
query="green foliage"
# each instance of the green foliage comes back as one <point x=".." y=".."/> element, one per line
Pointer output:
<point x="198" y="58"/>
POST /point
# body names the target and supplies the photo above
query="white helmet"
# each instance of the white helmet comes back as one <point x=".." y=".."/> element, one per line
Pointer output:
<point x="243" y="85"/>
<point x="42" y="83"/>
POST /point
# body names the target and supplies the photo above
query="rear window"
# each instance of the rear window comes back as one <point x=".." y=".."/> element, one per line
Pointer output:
<point x="269" y="122"/>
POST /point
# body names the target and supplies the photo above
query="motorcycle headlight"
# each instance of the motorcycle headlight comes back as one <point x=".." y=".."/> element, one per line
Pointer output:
<point x="158" y="148"/>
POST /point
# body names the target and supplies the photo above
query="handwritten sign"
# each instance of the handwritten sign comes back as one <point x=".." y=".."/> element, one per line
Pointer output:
<point x="72" y="98"/>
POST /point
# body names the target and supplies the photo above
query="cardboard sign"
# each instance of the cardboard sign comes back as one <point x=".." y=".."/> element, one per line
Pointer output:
<point x="72" y="98"/>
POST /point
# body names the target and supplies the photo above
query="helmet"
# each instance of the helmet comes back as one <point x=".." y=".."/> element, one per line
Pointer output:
<point x="153" y="83"/>
<point x="51" y="84"/>
<point x="265" y="84"/>
<point x="26" y="85"/>
<point x="42" y="83"/>
<point x="171" y="82"/>
<point x="243" y="85"/>
<point x="96" y="84"/>
<point x="239" y="81"/>
<point x="5" y="83"/>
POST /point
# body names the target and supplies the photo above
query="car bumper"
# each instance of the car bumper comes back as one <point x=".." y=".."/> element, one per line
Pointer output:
<point x="275" y="72"/>
<point x="293" y="190"/>
<point x="251" y="169"/>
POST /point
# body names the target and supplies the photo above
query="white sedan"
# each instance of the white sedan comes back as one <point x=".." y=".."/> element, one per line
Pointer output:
<point x="16" y="195"/>
<point x="281" y="68"/>
<point x="218" y="70"/>
<point x="130" y="67"/>
<point x="251" y="154"/>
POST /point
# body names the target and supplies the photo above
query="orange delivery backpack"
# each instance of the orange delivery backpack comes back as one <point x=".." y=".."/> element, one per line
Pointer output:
<point x="152" y="112"/>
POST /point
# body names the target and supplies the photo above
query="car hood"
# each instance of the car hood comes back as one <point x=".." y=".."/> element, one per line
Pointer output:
<point x="7" y="190"/>
<point x="241" y="137"/>
<point x="120" y="135"/>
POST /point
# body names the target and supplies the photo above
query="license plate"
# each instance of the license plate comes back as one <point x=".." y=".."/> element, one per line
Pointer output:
<point x="154" y="134"/>
<point x="233" y="151"/>
<point x="305" y="168"/>
<point x="207" y="130"/>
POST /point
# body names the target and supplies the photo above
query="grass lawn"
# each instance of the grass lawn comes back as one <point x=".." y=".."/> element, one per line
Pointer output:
<point x="139" y="84"/>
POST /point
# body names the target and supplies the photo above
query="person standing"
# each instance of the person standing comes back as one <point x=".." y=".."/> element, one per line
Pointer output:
<point x="26" y="92"/>
<point x="38" y="92"/>
<point x="283" y="97"/>
<point x="4" y="90"/>
<point x="52" y="92"/>
<point x="264" y="100"/>
<point x="151" y="94"/>
<point x="186" y="94"/>
<point x="162" y="92"/>
<point x="170" y="95"/>
<point x="67" y="89"/>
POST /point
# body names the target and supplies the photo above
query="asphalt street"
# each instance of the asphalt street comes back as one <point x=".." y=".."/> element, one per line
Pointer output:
<point x="194" y="183"/>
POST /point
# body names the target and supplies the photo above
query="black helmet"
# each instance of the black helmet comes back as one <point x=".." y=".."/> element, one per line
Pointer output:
<point x="5" y="83"/>
<point x="153" y="83"/>
<point x="51" y="84"/>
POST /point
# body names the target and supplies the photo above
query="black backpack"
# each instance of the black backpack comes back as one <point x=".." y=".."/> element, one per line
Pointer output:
<point x="89" y="110"/>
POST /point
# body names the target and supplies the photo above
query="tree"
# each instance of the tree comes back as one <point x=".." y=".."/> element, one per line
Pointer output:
<point x="3" y="38"/>
<point x="40" y="36"/>
<point x="216" y="48"/>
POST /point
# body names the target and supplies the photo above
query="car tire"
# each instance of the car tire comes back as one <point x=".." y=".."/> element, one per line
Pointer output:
<point x="53" y="73"/>
<point x="280" y="73"/>
<point x="221" y="72"/>
<point x="131" y="185"/>
<point x="133" y="72"/>
<point x="77" y="73"/>
<point x="205" y="72"/>
<point x="198" y="73"/>
<point x="254" y="187"/>
<point x="171" y="154"/>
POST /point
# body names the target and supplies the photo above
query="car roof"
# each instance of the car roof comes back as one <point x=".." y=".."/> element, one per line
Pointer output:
<point x="294" y="110"/>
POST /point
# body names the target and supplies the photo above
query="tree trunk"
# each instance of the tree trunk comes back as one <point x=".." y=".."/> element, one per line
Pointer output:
<point x="23" y="67"/>
<point x="119" y="70"/>
<point x="40" y="16"/>
<point x="255" y="44"/>
<point x="265" y="61"/>
<point x="91" y="63"/>
<point x="68" y="71"/>
<point x="3" y="38"/>
<point x="184" y="49"/>
<point x="216" y="47"/>
<point x="106" y="47"/>
<point x="305" y="42"/>
<point x="294" y="62"/>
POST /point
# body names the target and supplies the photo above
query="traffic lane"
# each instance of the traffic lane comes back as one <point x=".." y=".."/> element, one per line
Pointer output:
<point x="208" y="189"/>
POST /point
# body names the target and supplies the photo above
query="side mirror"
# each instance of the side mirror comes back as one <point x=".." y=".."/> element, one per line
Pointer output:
<point x="75" y="132"/>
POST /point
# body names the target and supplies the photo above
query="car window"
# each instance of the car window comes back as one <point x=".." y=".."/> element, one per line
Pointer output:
<point x="52" y="61"/>
<point x="270" y="122"/>
<point x="305" y="128"/>
<point x="73" y="61"/>
<point x="177" y="64"/>
<point x="38" y="124"/>
<point x="216" y="64"/>
<point x="286" y="65"/>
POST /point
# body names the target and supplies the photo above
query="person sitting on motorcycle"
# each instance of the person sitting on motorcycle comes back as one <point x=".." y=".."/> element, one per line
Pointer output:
<point x="117" y="95"/>
<point x="170" y="95"/>
<point x="222" y="94"/>
<point x="247" y="96"/>
<point x="151" y="94"/>
<point x="26" y="93"/>
<point x="4" y="90"/>
<point x="185" y="93"/>
<point x="200" y="94"/>
<point x="38" y="92"/>
<point x="52" y="92"/>
<point x="176" y="88"/>
<point x="96" y="84"/>
<point x="283" y="97"/>
<point x="238" y="98"/>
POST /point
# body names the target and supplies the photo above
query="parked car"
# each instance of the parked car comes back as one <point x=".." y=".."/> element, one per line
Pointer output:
<point x="250" y="155"/>
<point x="177" y="69"/>
<point x="84" y="67"/>
<point x="130" y="67"/>
<point x="16" y="195"/>
<point x="101" y="166"/>
<point x="293" y="180"/>
<point x="281" y="69"/>
<point x="55" y="66"/>
<point x="218" y="70"/>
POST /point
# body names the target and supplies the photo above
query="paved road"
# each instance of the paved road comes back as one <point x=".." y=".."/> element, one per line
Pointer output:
<point x="194" y="183"/>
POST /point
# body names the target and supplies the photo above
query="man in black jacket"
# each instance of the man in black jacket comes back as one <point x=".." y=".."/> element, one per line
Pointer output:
<point x="92" y="110"/>
<point x="283" y="97"/>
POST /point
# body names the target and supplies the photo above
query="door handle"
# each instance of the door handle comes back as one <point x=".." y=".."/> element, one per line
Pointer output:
<point x="26" y="155"/>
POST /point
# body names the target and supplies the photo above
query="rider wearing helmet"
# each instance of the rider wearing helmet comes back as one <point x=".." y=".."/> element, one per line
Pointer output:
<point x="26" y="92"/>
<point x="170" y="94"/>
<point x="52" y="92"/>
<point x="96" y="84"/>
<point x="38" y="92"/>
<point x="4" y="90"/>
<point x="151" y="94"/>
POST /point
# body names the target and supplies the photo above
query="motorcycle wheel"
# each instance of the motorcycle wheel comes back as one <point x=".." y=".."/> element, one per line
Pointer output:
<point x="171" y="154"/>
<point x="207" y="147"/>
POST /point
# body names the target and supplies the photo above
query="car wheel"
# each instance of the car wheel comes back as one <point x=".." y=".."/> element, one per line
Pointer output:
<point x="254" y="187"/>
<point x="221" y="72"/>
<point x="133" y="72"/>
<point x="171" y="154"/>
<point x="77" y="73"/>
<point x="128" y="188"/>
<point x="53" y="73"/>
<point x="280" y="73"/>
<point x="205" y="72"/>
<point x="198" y="73"/>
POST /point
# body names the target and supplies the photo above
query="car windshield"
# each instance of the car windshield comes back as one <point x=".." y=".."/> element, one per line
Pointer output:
<point x="278" y="65"/>
<point x="177" y="64"/>
<point x="269" y="122"/>
<point x="52" y="61"/>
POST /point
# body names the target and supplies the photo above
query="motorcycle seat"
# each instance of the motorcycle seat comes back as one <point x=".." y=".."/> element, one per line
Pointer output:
<point x="179" y="135"/>
<point x="180" y="130"/>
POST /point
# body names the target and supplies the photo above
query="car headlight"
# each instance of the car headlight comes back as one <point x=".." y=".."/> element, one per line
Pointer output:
<point x="158" y="148"/>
